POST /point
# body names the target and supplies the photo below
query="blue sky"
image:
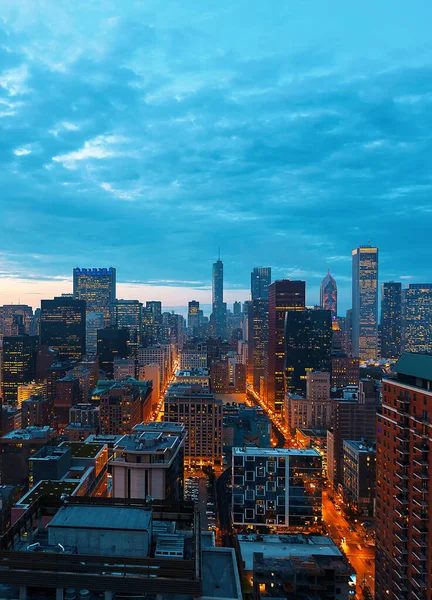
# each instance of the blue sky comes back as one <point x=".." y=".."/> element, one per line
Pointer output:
<point x="144" y="135"/>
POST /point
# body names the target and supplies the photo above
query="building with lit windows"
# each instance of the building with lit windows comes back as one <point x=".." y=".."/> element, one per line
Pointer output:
<point x="258" y="314"/>
<point x="219" y="314"/>
<point x="359" y="476"/>
<point x="345" y="370"/>
<point x="193" y="357"/>
<point x="277" y="487"/>
<point x="328" y="295"/>
<point x="284" y="295"/>
<point x="404" y="482"/>
<point x="16" y="319"/>
<point x="365" y="302"/>
<point x="391" y="319"/>
<point x="18" y="365"/>
<point x="111" y="344"/>
<point x="201" y="413"/>
<point x="417" y="317"/>
<point x="308" y="335"/>
<point x="127" y="314"/>
<point x="260" y="281"/>
<point x="63" y="326"/>
<point x="98" y="288"/>
<point x="94" y="322"/>
<point x="193" y="318"/>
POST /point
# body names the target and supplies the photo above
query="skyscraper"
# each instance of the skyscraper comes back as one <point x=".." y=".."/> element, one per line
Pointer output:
<point x="260" y="281"/>
<point x="404" y="467"/>
<point x="365" y="302"/>
<point x="391" y="319"/>
<point x="97" y="287"/>
<point x="127" y="314"/>
<point x="94" y="322"/>
<point x="19" y="364"/>
<point x="417" y="317"/>
<point x="284" y="295"/>
<point x="308" y="335"/>
<point x="258" y="340"/>
<point x="328" y="294"/>
<point x="63" y="326"/>
<point x="219" y="307"/>
<point x="193" y="317"/>
<point x="112" y="343"/>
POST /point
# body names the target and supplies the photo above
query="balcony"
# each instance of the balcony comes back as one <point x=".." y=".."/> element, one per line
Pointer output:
<point x="420" y="488"/>
<point x="419" y="569"/>
<point x="402" y="487"/>
<point x="418" y="555"/>
<point x="420" y="542"/>
<point x="403" y="449"/>
<point x="421" y="461"/>
<point x="419" y="582"/>
<point x="420" y="527"/>
<point x="402" y="500"/>
<point x="417" y="595"/>
<point x="401" y="537"/>
<point x="403" y="462"/>
<point x="420" y="515"/>
<point x="402" y="587"/>
<point x="420" y="503"/>
<point x="421" y="475"/>
<point x="400" y="548"/>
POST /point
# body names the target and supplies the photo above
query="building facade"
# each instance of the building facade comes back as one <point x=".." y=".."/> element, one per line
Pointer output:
<point x="260" y="281"/>
<point x="63" y="326"/>
<point x="359" y="476"/>
<point x="98" y="288"/>
<point x="391" y="319"/>
<point x="278" y="488"/>
<point x="417" y="317"/>
<point x="284" y="295"/>
<point x="18" y="364"/>
<point x="328" y="295"/>
<point x="365" y="302"/>
<point x="219" y="316"/>
<point x="404" y="482"/>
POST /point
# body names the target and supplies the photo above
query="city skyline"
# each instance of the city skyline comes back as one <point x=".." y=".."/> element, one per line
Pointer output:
<point x="294" y="147"/>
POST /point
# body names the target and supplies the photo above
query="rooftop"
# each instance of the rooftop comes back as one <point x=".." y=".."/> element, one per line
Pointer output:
<point x="102" y="517"/>
<point x="253" y="451"/>
<point x="284" y="546"/>
<point x="285" y="566"/>
<point x="29" y="433"/>
<point x="220" y="578"/>
<point x="50" y="453"/>
<point x="170" y="545"/>
<point x="163" y="426"/>
<point x="148" y="442"/>
<point x="360" y="446"/>
<point x="415" y="365"/>
<point x="81" y="450"/>
<point x="49" y="488"/>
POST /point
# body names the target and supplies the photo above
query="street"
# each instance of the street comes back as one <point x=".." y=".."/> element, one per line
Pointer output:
<point x="361" y="556"/>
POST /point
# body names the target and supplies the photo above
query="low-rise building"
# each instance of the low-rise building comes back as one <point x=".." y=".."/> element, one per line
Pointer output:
<point x="245" y="426"/>
<point x="149" y="463"/>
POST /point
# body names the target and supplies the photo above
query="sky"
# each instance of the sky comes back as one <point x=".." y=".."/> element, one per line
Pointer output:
<point x="145" y="135"/>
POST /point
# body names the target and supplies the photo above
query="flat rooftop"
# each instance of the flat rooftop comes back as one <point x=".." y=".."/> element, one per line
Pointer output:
<point x="81" y="450"/>
<point x="102" y="517"/>
<point x="360" y="446"/>
<point x="284" y="546"/>
<point x="253" y="451"/>
<point x="49" y="488"/>
<point x="220" y="578"/>
<point x="148" y="442"/>
<point x="162" y="426"/>
<point x="29" y="433"/>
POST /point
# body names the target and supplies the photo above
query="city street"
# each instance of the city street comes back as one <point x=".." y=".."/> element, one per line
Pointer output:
<point x="360" y="555"/>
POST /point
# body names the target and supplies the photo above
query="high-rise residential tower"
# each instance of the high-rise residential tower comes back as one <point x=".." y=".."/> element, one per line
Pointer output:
<point x="391" y="319"/>
<point x="308" y="335"/>
<point x="417" y="317"/>
<point x="328" y="294"/>
<point x="257" y="340"/>
<point x="97" y="287"/>
<point x="219" y="307"/>
<point x="365" y="302"/>
<point x="63" y="326"/>
<point x="404" y="482"/>
<point x="260" y="281"/>
<point x="284" y="295"/>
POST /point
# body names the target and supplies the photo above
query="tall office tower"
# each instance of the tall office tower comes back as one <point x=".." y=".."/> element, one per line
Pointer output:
<point x="284" y="295"/>
<point x="391" y="319"/>
<point x="353" y="419"/>
<point x="219" y="307"/>
<point x="328" y="294"/>
<point x="260" y="281"/>
<point x="193" y="317"/>
<point x="365" y="302"/>
<point x="258" y="340"/>
<point x="237" y="309"/>
<point x="127" y="314"/>
<point x="94" y="322"/>
<point x="308" y="335"/>
<point x="9" y="321"/>
<point x="112" y="343"/>
<point x="201" y="414"/>
<point x="404" y="490"/>
<point x="98" y="288"/>
<point x="348" y="332"/>
<point x="63" y="326"/>
<point x="276" y="487"/>
<point x="417" y="317"/>
<point x="19" y="364"/>
<point x="155" y="308"/>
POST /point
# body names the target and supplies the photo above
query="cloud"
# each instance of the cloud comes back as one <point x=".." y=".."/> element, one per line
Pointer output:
<point x="147" y="137"/>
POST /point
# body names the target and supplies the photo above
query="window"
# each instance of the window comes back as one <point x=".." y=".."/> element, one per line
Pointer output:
<point x="250" y="476"/>
<point x="249" y="514"/>
<point x="250" y="495"/>
<point x="271" y="486"/>
<point x="260" y="490"/>
<point x="260" y="471"/>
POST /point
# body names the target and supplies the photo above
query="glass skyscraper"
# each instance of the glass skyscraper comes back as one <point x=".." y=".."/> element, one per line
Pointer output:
<point x="328" y="294"/>
<point x="417" y="317"/>
<point x="219" y="307"/>
<point x="63" y="326"/>
<point x="391" y="319"/>
<point x="365" y="302"/>
<point x="260" y="281"/>
<point x="98" y="288"/>
<point x="19" y="364"/>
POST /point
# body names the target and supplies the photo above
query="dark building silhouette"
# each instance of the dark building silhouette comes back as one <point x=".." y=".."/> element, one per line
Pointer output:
<point x="365" y="302"/>
<point x="18" y="365"/>
<point x="97" y="287"/>
<point x="112" y="343"/>
<point x="284" y="295"/>
<point x="391" y="319"/>
<point x="63" y="326"/>
<point x="260" y="281"/>
<point x="219" y="314"/>
<point x="127" y="314"/>
<point x="308" y="335"/>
